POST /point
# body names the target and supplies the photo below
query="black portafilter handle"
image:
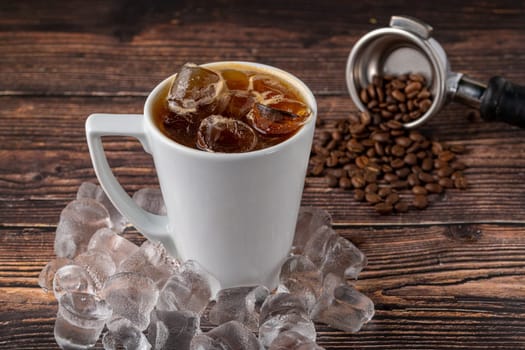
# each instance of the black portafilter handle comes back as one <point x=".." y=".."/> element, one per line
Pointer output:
<point x="503" y="101"/>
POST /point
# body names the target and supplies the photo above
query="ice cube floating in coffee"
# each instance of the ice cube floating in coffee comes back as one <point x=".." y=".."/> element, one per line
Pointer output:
<point x="230" y="110"/>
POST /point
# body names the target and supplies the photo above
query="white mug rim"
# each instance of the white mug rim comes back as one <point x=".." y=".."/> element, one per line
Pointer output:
<point x="290" y="78"/>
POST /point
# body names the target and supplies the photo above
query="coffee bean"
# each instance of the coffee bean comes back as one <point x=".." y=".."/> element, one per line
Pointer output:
<point x="413" y="87"/>
<point x="437" y="148"/>
<point x="371" y="91"/>
<point x="416" y="136"/>
<point x="396" y="133"/>
<point x="381" y="137"/>
<point x="398" y="151"/>
<point x="371" y="188"/>
<point x="363" y="95"/>
<point x="427" y="164"/>
<point x="317" y="170"/>
<point x="331" y="181"/>
<point x="372" y="198"/>
<point x="394" y="125"/>
<point x="398" y="95"/>
<point x="410" y="159"/>
<point x="403" y="172"/>
<point x="362" y="161"/>
<point x="359" y="195"/>
<point x="438" y="164"/>
<point x="417" y="77"/>
<point x="419" y="190"/>
<point x="403" y="141"/>
<point x="460" y="182"/>
<point x="413" y="180"/>
<point x="345" y="183"/>
<point x="456" y="174"/>
<point x="384" y="191"/>
<point x="446" y="182"/>
<point x="397" y="163"/>
<point x="400" y="184"/>
<point x="401" y="207"/>
<point x="433" y="187"/>
<point x="425" y="105"/>
<point x="392" y="198"/>
<point x="358" y="181"/>
<point x="425" y="177"/>
<point x="445" y="171"/>
<point x="383" y="208"/>
<point x="386" y="114"/>
<point x="446" y="156"/>
<point x="365" y="118"/>
<point x="390" y="177"/>
<point x="420" y="201"/>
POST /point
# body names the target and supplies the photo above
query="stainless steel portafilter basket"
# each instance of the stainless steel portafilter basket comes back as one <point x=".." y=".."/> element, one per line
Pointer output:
<point x="406" y="46"/>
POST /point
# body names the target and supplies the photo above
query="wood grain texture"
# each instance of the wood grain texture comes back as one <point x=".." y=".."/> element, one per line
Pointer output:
<point x="448" y="277"/>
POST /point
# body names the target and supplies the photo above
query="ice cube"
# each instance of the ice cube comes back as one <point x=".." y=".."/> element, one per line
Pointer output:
<point x="282" y="312"/>
<point x="98" y="265"/>
<point x="46" y="276"/>
<point x="190" y="289"/>
<point x="123" y="334"/>
<point x="291" y="340"/>
<point x="266" y="87"/>
<point x="72" y="278"/>
<point x="309" y="220"/>
<point x="341" y="306"/>
<point x="343" y="258"/>
<point x="228" y="336"/>
<point x="318" y="244"/>
<point x="333" y="253"/>
<point x="151" y="260"/>
<point x="240" y="103"/>
<point x="195" y="90"/>
<point x="90" y="190"/>
<point x="132" y="296"/>
<point x="118" y="247"/>
<point x="150" y="199"/>
<point x="302" y="278"/>
<point x="220" y="134"/>
<point x="240" y="304"/>
<point x="78" y="221"/>
<point x="297" y="322"/>
<point x="80" y="320"/>
<point x="271" y="121"/>
<point x="172" y="329"/>
<point x="235" y="79"/>
<point x="280" y="304"/>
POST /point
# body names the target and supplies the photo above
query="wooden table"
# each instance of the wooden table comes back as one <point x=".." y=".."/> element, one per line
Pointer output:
<point x="450" y="276"/>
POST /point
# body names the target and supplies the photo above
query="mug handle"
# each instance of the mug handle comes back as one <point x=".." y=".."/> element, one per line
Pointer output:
<point x="97" y="125"/>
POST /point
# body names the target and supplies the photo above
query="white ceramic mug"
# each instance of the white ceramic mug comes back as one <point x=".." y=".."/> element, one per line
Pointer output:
<point x="234" y="213"/>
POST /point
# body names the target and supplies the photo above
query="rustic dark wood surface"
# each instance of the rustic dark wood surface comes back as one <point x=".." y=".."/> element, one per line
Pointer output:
<point x="449" y="277"/>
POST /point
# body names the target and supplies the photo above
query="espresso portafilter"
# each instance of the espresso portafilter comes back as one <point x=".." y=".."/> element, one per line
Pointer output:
<point x="407" y="46"/>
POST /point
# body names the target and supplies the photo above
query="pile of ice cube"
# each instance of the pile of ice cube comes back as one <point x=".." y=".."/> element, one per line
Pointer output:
<point x="146" y="299"/>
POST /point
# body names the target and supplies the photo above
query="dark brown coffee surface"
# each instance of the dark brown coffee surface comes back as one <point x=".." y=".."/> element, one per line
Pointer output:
<point x="229" y="110"/>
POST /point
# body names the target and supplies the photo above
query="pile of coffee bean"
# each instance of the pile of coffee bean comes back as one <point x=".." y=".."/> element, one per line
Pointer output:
<point x="388" y="166"/>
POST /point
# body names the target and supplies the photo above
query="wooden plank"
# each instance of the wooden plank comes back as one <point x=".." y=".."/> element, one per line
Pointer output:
<point x="434" y="287"/>
<point x="45" y="54"/>
<point x="45" y="158"/>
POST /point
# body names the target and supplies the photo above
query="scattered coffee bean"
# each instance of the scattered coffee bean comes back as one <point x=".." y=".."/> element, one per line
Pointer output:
<point x="401" y="207"/>
<point x="383" y="208"/>
<point x="373" y="154"/>
<point x="331" y="180"/>
<point x="420" y="201"/>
